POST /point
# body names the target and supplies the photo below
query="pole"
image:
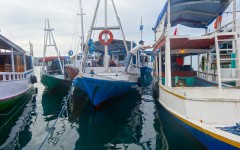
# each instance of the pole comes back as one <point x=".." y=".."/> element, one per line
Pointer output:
<point x="106" y="47"/>
<point x="168" y="53"/>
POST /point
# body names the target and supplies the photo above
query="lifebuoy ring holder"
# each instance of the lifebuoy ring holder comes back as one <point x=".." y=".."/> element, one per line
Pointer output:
<point x="102" y="41"/>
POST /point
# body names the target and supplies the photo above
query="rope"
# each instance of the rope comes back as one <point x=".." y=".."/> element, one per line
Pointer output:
<point x="61" y="112"/>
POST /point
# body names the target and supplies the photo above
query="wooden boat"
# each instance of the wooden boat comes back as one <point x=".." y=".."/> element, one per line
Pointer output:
<point x="53" y="74"/>
<point x="53" y="77"/>
<point x="199" y="100"/>
<point x="101" y="81"/>
<point x="16" y="73"/>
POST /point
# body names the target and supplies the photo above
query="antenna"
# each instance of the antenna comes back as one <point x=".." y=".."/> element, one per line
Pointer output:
<point x="141" y="28"/>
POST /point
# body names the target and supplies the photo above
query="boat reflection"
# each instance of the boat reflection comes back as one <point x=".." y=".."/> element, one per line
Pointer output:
<point x="117" y="123"/>
<point x="16" y="121"/>
<point x="52" y="105"/>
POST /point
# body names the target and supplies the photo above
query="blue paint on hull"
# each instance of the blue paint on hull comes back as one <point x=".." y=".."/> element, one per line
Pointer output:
<point x="101" y="90"/>
<point x="207" y="140"/>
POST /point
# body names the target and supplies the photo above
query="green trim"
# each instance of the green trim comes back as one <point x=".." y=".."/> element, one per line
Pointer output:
<point x="52" y="82"/>
<point x="10" y="101"/>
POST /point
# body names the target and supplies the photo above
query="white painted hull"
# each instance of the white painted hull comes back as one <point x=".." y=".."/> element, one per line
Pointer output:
<point x="205" y="109"/>
<point x="12" y="88"/>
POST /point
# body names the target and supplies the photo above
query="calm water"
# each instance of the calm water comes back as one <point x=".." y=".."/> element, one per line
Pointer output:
<point x="134" y="121"/>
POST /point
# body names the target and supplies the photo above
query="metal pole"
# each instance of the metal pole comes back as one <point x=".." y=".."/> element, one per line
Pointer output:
<point x="45" y="47"/>
<point x="13" y="63"/>
<point x="234" y="15"/>
<point x="160" y="66"/>
<point x="218" y="62"/>
<point x="57" y="51"/>
<point x="82" y="37"/>
<point x="119" y="22"/>
<point x="106" y="47"/>
<point x="168" y="53"/>
<point x="198" y="64"/>
<point x="89" y="35"/>
<point x="24" y="62"/>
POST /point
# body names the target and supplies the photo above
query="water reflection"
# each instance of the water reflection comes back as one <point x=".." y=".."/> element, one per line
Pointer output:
<point x="52" y="105"/>
<point x="15" y="121"/>
<point x="118" y="122"/>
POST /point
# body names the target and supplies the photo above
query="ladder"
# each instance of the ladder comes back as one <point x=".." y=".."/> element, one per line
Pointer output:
<point x="222" y="38"/>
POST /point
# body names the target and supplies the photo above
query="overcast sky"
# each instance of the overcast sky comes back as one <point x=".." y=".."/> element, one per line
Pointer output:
<point x="23" y="20"/>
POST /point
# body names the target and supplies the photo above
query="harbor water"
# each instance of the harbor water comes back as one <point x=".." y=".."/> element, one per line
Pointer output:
<point x="133" y="121"/>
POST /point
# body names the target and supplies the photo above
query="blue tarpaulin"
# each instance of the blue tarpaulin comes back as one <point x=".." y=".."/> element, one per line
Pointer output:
<point x="115" y="46"/>
<point x="193" y="13"/>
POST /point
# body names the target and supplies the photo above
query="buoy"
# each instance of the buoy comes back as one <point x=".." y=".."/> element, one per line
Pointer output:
<point x="109" y="41"/>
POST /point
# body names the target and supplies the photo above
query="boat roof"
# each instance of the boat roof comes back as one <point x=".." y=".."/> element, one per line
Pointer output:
<point x="184" y="42"/>
<point x="51" y="58"/>
<point x="8" y="45"/>
<point x="116" y="45"/>
<point x="193" y="13"/>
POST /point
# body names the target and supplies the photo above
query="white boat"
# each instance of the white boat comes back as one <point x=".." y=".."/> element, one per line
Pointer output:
<point x="104" y="82"/>
<point x="16" y="73"/>
<point x="208" y="109"/>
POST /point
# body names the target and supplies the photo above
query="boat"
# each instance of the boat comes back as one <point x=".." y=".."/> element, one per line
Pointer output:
<point x="16" y="73"/>
<point x="201" y="102"/>
<point x="53" y="74"/>
<point x="106" y="78"/>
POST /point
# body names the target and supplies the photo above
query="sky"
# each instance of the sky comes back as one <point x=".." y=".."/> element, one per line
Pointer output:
<point x="22" y="21"/>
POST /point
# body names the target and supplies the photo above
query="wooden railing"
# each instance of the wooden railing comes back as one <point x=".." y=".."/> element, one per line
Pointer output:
<point x="8" y="76"/>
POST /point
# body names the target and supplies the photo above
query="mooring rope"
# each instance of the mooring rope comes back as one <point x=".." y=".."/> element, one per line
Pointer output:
<point x="63" y="108"/>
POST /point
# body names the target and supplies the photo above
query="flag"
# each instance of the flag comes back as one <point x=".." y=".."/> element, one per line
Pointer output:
<point x="175" y="32"/>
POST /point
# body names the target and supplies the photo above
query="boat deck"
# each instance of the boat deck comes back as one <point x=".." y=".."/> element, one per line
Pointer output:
<point x="209" y="93"/>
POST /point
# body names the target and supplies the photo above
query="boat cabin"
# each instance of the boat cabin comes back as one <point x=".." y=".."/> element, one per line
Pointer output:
<point x="13" y="60"/>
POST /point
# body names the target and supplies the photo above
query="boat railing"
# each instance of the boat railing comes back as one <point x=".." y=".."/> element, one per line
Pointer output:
<point x="226" y="28"/>
<point x="207" y="76"/>
<point x="8" y="76"/>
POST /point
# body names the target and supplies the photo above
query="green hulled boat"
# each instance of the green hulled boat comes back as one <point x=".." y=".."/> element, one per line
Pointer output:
<point x="53" y="74"/>
<point x="16" y="73"/>
<point x="55" y="81"/>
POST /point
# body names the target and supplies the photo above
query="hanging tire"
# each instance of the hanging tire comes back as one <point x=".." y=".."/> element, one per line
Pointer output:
<point x="33" y="79"/>
<point x="155" y="89"/>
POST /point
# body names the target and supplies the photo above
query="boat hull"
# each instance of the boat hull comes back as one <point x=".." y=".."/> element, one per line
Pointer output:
<point x="13" y="91"/>
<point x="188" y="112"/>
<point x="99" y="90"/>
<point x="55" y="81"/>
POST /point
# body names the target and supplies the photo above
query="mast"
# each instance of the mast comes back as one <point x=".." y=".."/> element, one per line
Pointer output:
<point x="106" y="46"/>
<point x="48" y="39"/>
<point x="105" y="27"/>
<point x="141" y="28"/>
<point x="82" y="35"/>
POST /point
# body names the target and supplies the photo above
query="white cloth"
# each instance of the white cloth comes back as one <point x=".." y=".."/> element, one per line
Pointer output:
<point x="136" y="49"/>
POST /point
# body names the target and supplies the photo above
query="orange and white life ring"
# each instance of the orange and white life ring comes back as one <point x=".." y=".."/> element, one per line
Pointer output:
<point x="102" y="41"/>
<point x="217" y="22"/>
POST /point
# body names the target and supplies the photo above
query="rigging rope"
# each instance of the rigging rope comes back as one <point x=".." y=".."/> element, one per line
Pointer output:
<point x="61" y="112"/>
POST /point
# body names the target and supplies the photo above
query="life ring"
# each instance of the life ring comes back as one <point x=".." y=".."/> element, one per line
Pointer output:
<point x="109" y="41"/>
<point x="217" y="22"/>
